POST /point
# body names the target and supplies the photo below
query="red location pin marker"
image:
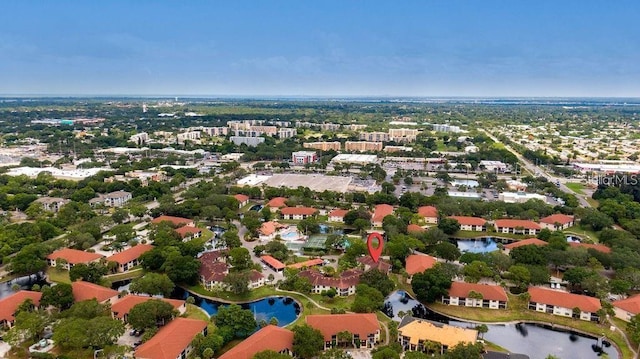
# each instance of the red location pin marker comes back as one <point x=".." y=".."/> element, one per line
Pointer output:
<point x="375" y="252"/>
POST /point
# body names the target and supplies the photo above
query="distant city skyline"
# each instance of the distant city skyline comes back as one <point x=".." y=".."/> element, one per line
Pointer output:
<point x="321" y="49"/>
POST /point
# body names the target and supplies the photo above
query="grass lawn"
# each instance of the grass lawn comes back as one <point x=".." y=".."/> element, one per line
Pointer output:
<point x="576" y="187"/>
<point x="517" y="312"/>
<point x="58" y="275"/>
<point x="136" y="273"/>
<point x="594" y="203"/>
<point x="584" y="233"/>
<point x="195" y="312"/>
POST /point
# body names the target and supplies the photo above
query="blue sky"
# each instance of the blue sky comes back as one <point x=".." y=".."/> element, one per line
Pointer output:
<point x="321" y="48"/>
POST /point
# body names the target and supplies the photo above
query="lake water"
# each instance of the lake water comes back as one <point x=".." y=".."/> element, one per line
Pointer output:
<point x="530" y="339"/>
<point x="284" y="309"/>
<point x="25" y="283"/>
<point x="483" y="245"/>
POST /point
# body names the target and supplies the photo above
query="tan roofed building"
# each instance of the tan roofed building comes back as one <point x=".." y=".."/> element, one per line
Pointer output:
<point x="414" y="334"/>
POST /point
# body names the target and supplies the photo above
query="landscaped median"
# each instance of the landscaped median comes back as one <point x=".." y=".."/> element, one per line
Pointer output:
<point x="519" y="313"/>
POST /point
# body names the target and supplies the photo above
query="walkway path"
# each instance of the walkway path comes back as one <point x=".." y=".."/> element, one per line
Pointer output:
<point x="304" y="295"/>
<point x="624" y="335"/>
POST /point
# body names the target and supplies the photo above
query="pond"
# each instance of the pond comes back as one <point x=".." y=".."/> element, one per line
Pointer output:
<point x="257" y="207"/>
<point x="25" y="283"/>
<point x="481" y="245"/>
<point x="284" y="309"/>
<point x="530" y="339"/>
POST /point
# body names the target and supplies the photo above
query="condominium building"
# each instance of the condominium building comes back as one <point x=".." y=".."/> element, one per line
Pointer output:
<point x="374" y="136"/>
<point x="323" y="146"/>
<point x="362" y="146"/>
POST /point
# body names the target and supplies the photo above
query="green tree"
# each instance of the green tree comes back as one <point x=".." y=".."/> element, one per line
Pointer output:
<point x="28" y="327"/>
<point x="476" y="270"/>
<point x="152" y="284"/>
<point x="237" y="282"/>
<point x="633" y="328"/>
<point x="78" y="333"/>
<point x="447" y="251"/>
<point x="148" y="314"/>
<point x="29" y="260"/>
<point x="520" y="275"/>
<point x="87" y="309"/>
<point x="92" y="272"/>
<point x="449" y="225"/>
<point x="367" y="300"/>
<point x="464" y="351"/>
<point x="378" y="280"/>
<point x="431" y="284"/>
<point x="334" y="353"/>
<point x="270" y="354"/>
<point x="240" y="322"/>
<point x="307" y="341"/>
<point x="59" y="296"/>
<point x="240" y="259"/>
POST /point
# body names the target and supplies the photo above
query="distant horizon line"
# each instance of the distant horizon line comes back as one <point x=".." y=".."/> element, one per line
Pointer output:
<point x="256" y="96"/>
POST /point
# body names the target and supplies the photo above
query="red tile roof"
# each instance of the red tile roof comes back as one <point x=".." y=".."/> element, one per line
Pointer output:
<point x="276" y="264"/>
<point x="515" y="223"/>
<point x="469" y="221"/>
<point x="124" y="304"/>
<point x="186" y="231"/>
<point x="171" y="339"/>
<point x="299" y="211"/>
<point x="130" y="254"/>
<point x="563" y="299"/>
<point x="428" y="211"/>
<point x="175" y="221"/>
<point x="631" y="304"/>
<point x="557" y="218"/>
<point x="255" y="276"/>
<point x="213" y="271"/>
<point x="338" y="213"/>
<point x="267" y="338"/>
<point x="380" y="265"/>
<point x="414" y="228"/>
<point x="348" y="278"/>
<point x="268" y="228"/>
<point x="381" y="211"/>
<point x="241" y="197"/>
<point x="74" y="256"/>
<point x="332" y="324"/>
<point x="526" y="242"/>
<point x="9" y="305"/>
<point x="277" y="202"/>
<point x="309" y="263"/>
<point x="598" y="247"/>
<point x="489" y="292"/>
<point x="418" y="263"/>
<point x="87" y="291"/>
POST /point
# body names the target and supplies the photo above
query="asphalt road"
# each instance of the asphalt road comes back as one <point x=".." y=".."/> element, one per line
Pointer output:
<point x="537" y="169"/>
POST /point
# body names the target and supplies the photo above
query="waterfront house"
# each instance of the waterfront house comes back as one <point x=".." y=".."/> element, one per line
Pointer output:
<point x="68" y="257"/>
<point x="414" y="334"/>
<point x="345" y="284"/>
<point x="418" y="263"/>
<point x="564" y="304"/>
<point x="476" y="295"/>
<point x="129" y="257"/>
<point x="364" y="328"/>
<point x="626" y="309"/>
<point x="471" y="223"/>
<point x="517" y="226"/>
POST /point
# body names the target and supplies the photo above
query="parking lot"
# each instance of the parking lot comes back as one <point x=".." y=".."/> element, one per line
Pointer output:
<point x="128" y="340"/>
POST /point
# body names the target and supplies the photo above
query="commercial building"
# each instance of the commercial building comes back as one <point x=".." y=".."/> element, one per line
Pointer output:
<point x="520" y="197"/>
<point x="303" y="157"/>
<point x="356" y="159"/>
<point x="362" y="146"/>
<point x="249" y="141"/>
<point x="323" y="146"/>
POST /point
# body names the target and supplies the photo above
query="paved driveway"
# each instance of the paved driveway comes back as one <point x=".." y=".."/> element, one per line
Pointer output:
<point x="360" y="353"/>
<point x="4" y="349"/>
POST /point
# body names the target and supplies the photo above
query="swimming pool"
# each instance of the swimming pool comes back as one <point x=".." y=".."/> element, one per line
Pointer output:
<point x="290" y="236"/>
